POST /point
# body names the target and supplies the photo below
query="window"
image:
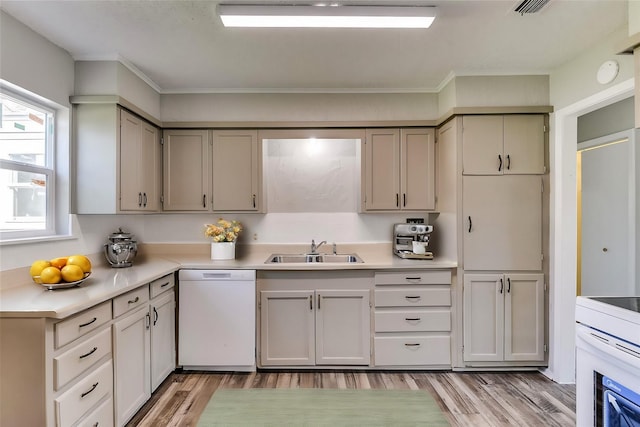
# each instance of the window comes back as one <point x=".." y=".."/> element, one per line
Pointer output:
<point x="26" y="168"/>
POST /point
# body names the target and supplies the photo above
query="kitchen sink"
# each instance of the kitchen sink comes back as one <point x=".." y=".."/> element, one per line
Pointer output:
<point x="314" y="258"/>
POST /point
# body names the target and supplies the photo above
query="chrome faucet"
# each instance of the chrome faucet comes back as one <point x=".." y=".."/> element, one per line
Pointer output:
<point x="314" y="247"/>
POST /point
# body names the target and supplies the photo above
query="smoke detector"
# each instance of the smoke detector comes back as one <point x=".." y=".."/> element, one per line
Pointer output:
<point x="530" y="6"/>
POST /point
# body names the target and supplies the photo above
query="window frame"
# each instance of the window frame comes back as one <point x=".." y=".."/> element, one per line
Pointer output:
<point x="48" y="170"/>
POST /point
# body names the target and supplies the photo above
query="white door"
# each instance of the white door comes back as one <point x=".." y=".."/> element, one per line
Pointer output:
<point x="163" y="341"/>
<point x="483" y="317"/>
<point x="608" y="215"/>
<point x="524" y="317"/>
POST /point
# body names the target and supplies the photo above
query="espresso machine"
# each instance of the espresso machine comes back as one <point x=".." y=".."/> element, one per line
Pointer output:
<point x="411" y="240"/>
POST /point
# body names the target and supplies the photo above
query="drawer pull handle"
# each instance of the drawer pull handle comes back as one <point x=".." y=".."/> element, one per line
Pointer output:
<point x="165" y="284"/>
<point x="412" y="344"/>
<point x="410" y="297"/>
<point x="90" y="353"/>
<point x="133" y="301"/>
<point x="412" y="319"/>
<point x="88" y="323"/>
<point x="413" y="279"/>
<point x="87" y="392"/>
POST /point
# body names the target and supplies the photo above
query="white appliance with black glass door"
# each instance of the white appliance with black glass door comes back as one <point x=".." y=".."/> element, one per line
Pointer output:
<point x="608" y="361"/>
<point x="216" y="320"/>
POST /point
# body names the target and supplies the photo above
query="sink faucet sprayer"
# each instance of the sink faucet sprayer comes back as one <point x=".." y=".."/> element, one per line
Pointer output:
<point x="314" y="247"/>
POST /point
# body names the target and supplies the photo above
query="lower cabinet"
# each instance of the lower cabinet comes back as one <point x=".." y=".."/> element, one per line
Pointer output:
<point x="323" y="327"/>
<point x="504" y="319"/>
<point x="413" y="319"/>
<point x="327" y="323"/>
<point x="144" y="344"/>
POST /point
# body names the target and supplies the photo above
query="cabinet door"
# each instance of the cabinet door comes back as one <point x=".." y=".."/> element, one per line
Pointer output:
<point x="163" y="342"/>
<point x="150" y="167"/>
<point x="417" y="179"/>
<point x="287" y="331"/>
<point x="483" y="317"/>
<point x="236" y="171"/>
<point x="131" y="364"/>
<point x="342" y="327"/>
<point x="502" y="222"/>
<point x="482" y="145"/>
<point x="186" y="170"/>
<point x="381" y="169"/>
<point x="524" y="317"/>
<point x="130" y="162"/>
<point x="524" y="137"/>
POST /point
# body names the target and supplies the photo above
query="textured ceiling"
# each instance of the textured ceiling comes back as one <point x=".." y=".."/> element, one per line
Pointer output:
<point x="181" y="46"/>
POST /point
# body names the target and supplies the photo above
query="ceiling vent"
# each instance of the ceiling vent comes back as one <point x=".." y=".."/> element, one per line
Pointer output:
<point x="530" y="6"/>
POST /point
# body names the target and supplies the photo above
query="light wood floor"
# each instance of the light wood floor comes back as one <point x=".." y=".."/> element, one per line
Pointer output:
<point x="467" y="399"/>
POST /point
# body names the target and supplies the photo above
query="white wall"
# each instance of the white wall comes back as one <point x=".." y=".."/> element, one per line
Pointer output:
<point x="502" y="91"/>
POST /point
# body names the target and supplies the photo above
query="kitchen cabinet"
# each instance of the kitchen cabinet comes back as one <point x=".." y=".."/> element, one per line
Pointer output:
<point x="57" y="372"/>
<point x="144" y="344"/>
<point x="186" y="171"/>
<point x="504" y="318"/>
<point x="399" y="169"/>
<point x="206" y="170"/>
<point x="413" y="319"/>
<point x="117" y="161"/>
<point x="162" y="310"/>
<point x="132" y="361"/>
<point x="503" y="144"/>
<point x="308" y="320"/>
<point x="237" y="170"/>
<point x="139" y="164"/>
<point x="502" y="222"/>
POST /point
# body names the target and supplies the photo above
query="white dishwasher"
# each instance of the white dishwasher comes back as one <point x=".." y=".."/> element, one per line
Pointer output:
<point x="217" y="320"/>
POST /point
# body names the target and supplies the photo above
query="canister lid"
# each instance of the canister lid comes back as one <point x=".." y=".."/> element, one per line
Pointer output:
<point x="120" y="235"/>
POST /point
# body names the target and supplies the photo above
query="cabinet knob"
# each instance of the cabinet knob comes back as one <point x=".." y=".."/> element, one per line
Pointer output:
<point x="605" y="250"/>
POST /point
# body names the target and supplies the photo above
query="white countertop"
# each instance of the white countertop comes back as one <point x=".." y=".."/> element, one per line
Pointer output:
<point x="28" y="299"/>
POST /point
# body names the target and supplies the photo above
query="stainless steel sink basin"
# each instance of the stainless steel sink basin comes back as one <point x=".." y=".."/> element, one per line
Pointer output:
<point x="314" y="258"/>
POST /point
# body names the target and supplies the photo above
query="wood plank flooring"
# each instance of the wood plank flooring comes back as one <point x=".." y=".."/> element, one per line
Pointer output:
<point x="466" y="399"/>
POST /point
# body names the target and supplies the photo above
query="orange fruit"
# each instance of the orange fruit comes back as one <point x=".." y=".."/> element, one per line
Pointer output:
<point x="38" y="266"/>
<point x="71" y="273"/>
<point x="59" y="262"/>
<point x="81" y="261"/>
<point x="50" y="275"/>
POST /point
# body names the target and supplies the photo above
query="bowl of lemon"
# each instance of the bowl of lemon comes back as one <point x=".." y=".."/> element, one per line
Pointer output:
<point x="61" y="272"/>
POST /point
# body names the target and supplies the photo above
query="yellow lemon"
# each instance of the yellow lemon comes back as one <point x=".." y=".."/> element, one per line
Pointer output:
<point x="38" y="266"/>
<point x="50" y="275"/>
<point x="81" y="261"/>
<point x="59" y="262"/>
<point x="71" y="273"/>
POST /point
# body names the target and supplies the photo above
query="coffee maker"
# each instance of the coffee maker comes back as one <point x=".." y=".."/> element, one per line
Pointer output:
<point x="411" y="240"/>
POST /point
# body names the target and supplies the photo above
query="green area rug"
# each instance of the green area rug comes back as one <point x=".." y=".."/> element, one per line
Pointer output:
<point x="321" y="407"/>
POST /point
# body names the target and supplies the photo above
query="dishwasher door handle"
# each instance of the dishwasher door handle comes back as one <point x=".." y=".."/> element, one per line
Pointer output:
<point x="216" y="276"/>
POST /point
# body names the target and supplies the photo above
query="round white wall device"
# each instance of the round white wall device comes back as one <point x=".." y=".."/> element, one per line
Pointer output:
<point x="607" y="72"/>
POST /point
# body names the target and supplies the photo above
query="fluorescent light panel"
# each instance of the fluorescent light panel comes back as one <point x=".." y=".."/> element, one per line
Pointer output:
<point x="299" y="16"/>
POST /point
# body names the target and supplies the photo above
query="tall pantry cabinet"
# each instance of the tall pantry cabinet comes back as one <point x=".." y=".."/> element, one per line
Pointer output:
<point x="502" y="211"/>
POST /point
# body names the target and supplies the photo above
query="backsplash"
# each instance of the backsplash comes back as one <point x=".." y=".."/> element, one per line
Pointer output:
<point x="91" y="231"/>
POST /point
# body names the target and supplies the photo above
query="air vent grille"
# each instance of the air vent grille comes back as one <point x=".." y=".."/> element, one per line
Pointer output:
<point x="530" y="6"/>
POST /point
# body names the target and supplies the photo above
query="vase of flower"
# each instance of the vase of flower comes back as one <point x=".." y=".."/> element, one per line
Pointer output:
<point x="224" y="235"/>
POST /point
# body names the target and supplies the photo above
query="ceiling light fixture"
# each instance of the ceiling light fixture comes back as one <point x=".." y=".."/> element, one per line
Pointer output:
<point x="297" y="16"/>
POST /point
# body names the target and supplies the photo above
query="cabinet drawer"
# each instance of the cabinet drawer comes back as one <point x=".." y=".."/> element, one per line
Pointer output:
<point x="162" y="284"/>
<point x="81" y="323"/>
<point x="401" y="351"/>
<point x="130" y="300"/>
<point x="438" y="277"/>
<point x="413" y="297"/>
<point x="101" y="416"/>
<point x="81" y="397"/>
<point x="414" y="321"/>
<point x="71" y="363"/>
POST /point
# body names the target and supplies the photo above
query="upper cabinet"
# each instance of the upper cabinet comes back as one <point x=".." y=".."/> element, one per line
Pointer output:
<point x="139" y="164"/>
<point x="117" y="161"/>
<point x="236" y="170"/>
<point x="399" y="169"/>
<point x="225" y="177"/>
<point x="503" y="144"/>
<point x="186" y="170"/>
